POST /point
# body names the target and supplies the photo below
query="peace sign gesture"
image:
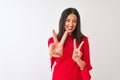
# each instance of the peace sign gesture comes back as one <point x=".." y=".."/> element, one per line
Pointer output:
<point x="56" y="48"/>
<point x="76" y="52"/>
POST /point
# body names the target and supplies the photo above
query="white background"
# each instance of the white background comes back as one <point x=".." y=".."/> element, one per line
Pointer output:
<point x="25" y="26"/>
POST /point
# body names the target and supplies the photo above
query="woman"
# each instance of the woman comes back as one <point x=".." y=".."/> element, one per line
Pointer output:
<point x="69" y="49"/>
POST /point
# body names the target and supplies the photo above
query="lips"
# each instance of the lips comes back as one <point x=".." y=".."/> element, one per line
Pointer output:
<point x="70" y="27"/>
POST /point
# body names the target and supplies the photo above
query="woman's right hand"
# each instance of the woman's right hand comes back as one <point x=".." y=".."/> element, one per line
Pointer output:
<point x="56" y="48"/>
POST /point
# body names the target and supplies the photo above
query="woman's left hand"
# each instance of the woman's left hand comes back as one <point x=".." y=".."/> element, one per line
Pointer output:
<point x="76" y="52"/>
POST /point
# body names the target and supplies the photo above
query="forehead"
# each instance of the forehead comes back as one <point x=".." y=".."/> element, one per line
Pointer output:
<point x="72" y="16"/>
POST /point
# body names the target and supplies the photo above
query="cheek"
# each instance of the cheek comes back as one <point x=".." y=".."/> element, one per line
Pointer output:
<point x="65" y="27"/>
<point x="74" y="27"/>
<point x="75" y="24"/>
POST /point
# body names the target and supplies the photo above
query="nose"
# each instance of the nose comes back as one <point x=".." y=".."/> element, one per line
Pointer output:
<point x="71" y="23"/>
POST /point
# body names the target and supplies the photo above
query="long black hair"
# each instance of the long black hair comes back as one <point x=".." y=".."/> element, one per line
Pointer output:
<point x="77" y="34"/>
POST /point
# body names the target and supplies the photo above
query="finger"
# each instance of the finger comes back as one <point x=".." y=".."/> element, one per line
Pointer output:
<point x="74" y="44"/>
<point x="51" y="49"/>
<point x="54" y="36"/>
<point x="64" y="38"/>
<point x="80" y="45"/>
<point x="54" y="55"/>
<point x="51" y="46"/>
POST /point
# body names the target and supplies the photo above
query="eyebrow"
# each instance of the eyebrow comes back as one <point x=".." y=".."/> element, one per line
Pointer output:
<point x="72" y="19"/>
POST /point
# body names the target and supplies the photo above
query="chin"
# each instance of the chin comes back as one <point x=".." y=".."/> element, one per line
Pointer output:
<point x="70" y="32"/>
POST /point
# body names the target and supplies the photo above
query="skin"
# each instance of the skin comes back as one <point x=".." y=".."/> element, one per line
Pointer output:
<point x="56" y="48"/>
<point x="77" y="54"/>
<point x="70" y="23"/>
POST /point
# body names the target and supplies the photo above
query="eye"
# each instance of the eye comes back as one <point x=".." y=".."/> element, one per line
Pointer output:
<point x="75" y="21"/>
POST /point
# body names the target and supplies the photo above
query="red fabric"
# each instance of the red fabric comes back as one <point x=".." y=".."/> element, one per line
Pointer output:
<point x="66" y="68"/>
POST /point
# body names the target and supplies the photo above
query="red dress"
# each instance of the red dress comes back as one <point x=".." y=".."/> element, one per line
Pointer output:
<point x="66" y="68"/>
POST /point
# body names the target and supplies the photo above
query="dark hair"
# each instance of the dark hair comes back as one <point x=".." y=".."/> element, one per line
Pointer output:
<point x="77" y="34"/>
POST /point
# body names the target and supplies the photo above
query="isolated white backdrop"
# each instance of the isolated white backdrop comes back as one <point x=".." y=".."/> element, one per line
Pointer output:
<point x="25" y="26"/>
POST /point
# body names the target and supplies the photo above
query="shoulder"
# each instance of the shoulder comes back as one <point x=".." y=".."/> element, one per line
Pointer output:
<point x="50" y="39"/>
<point x="86" y="41"/>
<point x="84" y="38"/>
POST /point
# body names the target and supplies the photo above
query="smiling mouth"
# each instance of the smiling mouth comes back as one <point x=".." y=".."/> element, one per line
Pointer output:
<point x="70" y="27"/>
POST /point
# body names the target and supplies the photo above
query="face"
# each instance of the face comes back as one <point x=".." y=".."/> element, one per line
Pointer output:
<point x="70" y="23"/>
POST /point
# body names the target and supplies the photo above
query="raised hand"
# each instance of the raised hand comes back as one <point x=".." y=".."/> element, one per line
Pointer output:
<point x="76" y="52"/>
<point x="56" y="48"/>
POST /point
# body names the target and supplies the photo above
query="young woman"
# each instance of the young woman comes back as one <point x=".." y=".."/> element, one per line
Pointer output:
<point x="70" y="49"/>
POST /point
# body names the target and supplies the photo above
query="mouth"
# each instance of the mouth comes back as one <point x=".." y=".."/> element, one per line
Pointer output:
<point x="70" y="27"/>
